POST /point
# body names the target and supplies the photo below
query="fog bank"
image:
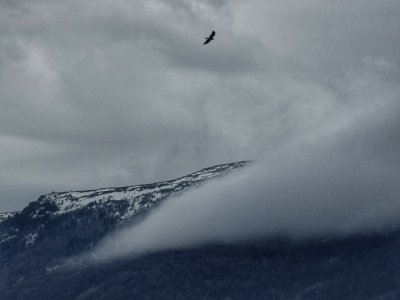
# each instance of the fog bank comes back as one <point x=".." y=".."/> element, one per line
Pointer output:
<point x="340" y="179"/>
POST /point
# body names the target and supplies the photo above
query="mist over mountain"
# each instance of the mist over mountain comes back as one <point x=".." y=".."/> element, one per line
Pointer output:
<point x="339" y="181"/>
<point x="104" y="103"/>
<point x="307" y="223"/>
<point x="98" y="94"/>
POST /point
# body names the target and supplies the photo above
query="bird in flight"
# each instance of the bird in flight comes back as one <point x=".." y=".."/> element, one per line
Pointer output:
<point x="210" y="38"/>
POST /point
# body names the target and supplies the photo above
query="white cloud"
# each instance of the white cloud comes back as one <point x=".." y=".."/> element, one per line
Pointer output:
<point x="338" y="181"/>
<point x="128" y="92"/>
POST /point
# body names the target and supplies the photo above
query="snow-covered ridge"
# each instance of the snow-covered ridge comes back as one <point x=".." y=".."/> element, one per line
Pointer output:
<point x="5" y="215"/>
<point x="138" y="197"/>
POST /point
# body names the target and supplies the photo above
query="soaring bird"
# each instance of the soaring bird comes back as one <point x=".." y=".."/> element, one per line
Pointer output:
<point x="210" y="38"/>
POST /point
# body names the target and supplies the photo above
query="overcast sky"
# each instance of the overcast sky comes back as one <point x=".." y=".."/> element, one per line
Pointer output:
<point x="111" y="93"/>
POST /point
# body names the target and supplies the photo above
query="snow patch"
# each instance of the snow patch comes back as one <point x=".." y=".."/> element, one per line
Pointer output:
<point x="30" y="239"/>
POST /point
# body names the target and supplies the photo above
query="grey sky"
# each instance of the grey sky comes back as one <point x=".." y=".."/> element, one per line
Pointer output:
<point x="108" y="93"/>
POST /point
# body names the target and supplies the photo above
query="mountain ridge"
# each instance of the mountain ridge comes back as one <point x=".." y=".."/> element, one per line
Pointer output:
<point x="88" y="215"/>
<point x="143" y="194"/>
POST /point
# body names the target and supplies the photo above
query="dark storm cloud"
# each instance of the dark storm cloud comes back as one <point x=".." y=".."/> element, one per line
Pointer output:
<point x="105" y="93"/>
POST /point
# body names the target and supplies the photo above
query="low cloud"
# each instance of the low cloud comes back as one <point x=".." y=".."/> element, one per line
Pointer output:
<point x="341" y="179"/>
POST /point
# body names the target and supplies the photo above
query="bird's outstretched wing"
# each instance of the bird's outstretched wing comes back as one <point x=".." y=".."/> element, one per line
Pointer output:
<point x="210" y="38"/>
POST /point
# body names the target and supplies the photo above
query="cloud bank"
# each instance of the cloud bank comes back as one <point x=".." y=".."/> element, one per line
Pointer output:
<point x="112" y="93"/>
<point x="338" y="180"/>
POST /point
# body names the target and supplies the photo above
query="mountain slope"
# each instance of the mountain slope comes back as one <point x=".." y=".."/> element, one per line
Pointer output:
<point x="35" y="243"/>
<point x="63" y="224"/>
<point x="5" y="215"/>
